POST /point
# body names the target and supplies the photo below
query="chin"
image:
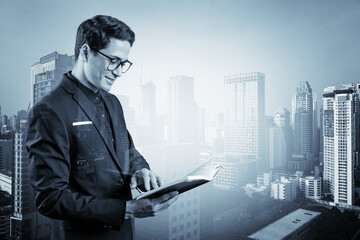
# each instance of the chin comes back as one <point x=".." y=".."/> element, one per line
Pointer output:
<point x="106" y="88"/>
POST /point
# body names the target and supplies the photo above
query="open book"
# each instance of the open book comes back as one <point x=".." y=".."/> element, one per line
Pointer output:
<point x="203" y="174"/>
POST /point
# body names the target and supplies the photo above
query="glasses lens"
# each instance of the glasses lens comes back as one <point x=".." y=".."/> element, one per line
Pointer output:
<point x="125" y="66"/>
<point x="113" y="65"/>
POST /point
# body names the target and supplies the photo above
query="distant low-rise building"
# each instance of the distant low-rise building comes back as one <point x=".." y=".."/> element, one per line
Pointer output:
<point x="311" y="187"/>
<point x="250" y="189"/>
<point x="284" y="189"/>
<point x="5" y="183"/>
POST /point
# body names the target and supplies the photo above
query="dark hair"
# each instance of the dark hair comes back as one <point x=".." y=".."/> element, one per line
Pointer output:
<point x="98" y="30"/>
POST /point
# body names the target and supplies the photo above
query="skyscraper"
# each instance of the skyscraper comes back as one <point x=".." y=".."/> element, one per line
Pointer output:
<point x="147" y="130"/>
<point x="46" y="74"/>
<point x="21" y="190"/>
<point x="25" y="222"/>
<point x="315" y="131"/>
<point x="245" y="113"/>
<point x="321" y="140"/>
<point x="6" y="152"/>
<point x="341" y="141"/>
<point x="302" y="123"/>
<point x="182" y="111"/>
<point x="278" y="142"/>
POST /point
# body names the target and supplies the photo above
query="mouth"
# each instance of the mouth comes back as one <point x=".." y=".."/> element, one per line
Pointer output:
<point x="112" y="80"/>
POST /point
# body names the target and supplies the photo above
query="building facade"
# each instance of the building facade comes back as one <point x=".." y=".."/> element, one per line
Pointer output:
<point x="182" y="111"/>
<point x="21" y="219"/>
<point x="341" y="141"/>
<point x="244" y="115"/>
<point x="284" y="189"/>
<point x="278" y="140"/>
<point x="302" y="124"/>
<point x="47" y="74"/>
<point x="311" y="187"/>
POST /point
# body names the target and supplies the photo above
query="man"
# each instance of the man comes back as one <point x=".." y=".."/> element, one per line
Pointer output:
<point x="82" y="158"/>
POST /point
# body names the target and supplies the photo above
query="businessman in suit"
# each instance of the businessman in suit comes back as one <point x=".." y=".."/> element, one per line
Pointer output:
<point x="83" y="162"/>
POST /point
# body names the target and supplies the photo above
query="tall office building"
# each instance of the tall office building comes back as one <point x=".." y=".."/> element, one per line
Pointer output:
<point x="182" y="219"/>
<point x="25" y="222"/>
<point x="47" y="74"/>
<point x="6" y="152"/>
<point x="149" y="130"/>
<point x="341" y="141"/>
<point x="182" y="111"/>
<point x="245" y="113"/>
<point x="22" y="114"/>
<point x="184" y="214"/>
<point x="321" y="140"/>
<point x="315" y="131"/>
<point x="302" y="123"/>
<point x="21" y="190"/>
<point x="5" y="124"/>
<point x="278" y="140"/>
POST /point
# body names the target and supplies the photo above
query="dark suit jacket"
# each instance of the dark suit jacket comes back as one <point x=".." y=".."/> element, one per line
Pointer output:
<point x="80" y="175"/>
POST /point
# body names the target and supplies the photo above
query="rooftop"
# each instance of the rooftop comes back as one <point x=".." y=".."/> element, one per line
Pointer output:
<point x="285" y="225"/>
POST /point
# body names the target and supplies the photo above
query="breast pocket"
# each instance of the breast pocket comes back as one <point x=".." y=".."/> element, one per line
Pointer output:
<point x="85" y="141"/>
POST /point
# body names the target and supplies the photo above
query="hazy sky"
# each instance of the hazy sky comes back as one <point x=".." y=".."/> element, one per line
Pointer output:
<point x="289" y="41"/>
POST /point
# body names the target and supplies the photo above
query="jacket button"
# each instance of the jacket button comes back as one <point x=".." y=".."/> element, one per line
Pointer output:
<point x="121" y="181"/>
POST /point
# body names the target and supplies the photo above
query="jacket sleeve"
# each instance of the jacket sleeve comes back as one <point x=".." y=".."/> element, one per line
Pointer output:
<point x="49" y="168"/>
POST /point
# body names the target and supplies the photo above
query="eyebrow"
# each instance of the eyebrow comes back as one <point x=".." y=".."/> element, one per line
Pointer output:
<point x="112" y="56"/>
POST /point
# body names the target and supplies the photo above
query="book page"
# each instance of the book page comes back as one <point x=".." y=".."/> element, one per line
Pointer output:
<point x="199" y="176"/>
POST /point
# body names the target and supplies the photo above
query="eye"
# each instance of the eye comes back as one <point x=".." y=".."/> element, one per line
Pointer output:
<point x="114" y="61"/>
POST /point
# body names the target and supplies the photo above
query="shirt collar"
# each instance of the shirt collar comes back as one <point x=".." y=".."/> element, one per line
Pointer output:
<point x="94" y="97"/>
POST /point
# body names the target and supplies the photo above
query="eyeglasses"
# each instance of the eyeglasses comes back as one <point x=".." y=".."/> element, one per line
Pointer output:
<point x="114" y="63"/>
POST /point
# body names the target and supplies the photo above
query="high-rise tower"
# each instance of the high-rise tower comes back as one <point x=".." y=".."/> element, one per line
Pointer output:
<point x="245" y="113"/>
<point x="302" y="124"/>
<point x="341" y="141"/>
<point x="46" y="74"/>
<point x="278" y="140"/>
<point x="182" y="111"/>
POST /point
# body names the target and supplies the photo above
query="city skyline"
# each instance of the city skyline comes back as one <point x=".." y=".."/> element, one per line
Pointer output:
<point x="284" y="189"/>
<point x="219" y="71"/>
<point x="317" y="43"/>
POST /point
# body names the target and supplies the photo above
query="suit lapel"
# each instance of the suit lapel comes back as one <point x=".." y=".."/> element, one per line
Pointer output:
<point x="119" y="131"/>
<point x="90" y="110"/>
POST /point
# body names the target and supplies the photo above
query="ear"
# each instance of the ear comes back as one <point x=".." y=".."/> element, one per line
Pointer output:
<point x="84" y="52"/>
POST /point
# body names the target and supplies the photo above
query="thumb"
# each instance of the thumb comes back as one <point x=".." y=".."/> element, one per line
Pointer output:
<point x="133" y="183"/>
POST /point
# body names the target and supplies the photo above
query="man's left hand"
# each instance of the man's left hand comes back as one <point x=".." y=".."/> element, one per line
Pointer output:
<point x="145" y="178"/>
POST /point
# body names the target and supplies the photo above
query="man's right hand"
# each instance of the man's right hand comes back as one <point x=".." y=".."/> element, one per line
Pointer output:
<point x="149" y="207"/>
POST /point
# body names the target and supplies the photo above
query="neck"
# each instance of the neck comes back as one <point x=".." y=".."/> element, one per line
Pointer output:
<point x="79" y="74"/>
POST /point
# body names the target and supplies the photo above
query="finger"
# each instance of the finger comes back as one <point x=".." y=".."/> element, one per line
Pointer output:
<point x="133" y="182"/>
<point x="159" y="181"/>
<point x="146" y="179"/>
<point x="153" y="180"/>
<point x="165" y="197"/>
<point x="164" y="205"/>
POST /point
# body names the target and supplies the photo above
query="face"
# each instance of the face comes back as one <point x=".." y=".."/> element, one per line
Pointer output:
<point x="95" y="69"/>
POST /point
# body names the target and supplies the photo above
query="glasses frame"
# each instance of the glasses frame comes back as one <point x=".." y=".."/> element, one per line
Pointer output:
<point x="121" y="63"/>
